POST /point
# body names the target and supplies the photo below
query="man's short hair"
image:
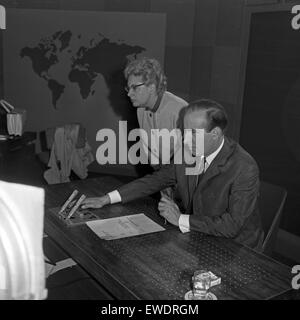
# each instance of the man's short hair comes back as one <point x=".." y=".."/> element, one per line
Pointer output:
<point x="215" y="113"/>
<point x="150" y="70"/>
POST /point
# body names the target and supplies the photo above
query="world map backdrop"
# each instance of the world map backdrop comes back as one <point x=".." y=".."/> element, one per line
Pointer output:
<point x="67" y="66"/>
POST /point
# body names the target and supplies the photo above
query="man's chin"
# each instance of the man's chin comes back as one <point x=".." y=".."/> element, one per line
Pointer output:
<point x="135" y="104"/>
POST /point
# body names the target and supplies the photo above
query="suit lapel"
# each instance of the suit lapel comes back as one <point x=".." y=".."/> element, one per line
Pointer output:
<point x="213" y="170"/>
<point x="218" y="163"/>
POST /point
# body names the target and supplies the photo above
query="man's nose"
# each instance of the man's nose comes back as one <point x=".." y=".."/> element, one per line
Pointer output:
<point x="129" y="93"/>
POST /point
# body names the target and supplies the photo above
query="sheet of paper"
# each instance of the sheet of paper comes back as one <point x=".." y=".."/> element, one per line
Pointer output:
<point x="122" y="227"/>
<point x="51" y="268"/>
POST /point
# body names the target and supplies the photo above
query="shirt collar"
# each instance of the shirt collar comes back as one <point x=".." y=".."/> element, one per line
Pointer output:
<point x="157" y="103"/>
<point x="211" y="157"/>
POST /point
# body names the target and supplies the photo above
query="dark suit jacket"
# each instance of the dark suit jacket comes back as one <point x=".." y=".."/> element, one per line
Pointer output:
<point x="225" y="201"/>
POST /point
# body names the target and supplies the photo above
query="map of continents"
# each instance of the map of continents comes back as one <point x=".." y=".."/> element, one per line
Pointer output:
<point x="100" y="56"/>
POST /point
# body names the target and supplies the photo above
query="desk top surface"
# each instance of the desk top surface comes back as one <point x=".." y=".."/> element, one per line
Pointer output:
<point x="160" y="265"/>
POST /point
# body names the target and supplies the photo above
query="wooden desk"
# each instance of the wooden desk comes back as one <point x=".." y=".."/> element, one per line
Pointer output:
<point x="160" y="265"/>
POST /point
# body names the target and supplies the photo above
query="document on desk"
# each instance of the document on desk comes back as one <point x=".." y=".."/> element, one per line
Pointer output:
<point x="123" y="227"/>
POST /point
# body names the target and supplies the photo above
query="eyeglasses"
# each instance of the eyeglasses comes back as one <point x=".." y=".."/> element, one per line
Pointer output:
<point x="133" y="87"/>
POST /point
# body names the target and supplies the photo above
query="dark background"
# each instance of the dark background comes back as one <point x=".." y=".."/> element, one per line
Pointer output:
<point x="270" y="128"/>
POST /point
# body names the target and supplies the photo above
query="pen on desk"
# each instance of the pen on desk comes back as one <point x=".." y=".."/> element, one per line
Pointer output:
<point x="76" y="206"/>
<point x="65" y="205"/>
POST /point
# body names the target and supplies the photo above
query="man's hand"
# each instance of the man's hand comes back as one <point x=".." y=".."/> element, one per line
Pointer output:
<point x="97" y="202"/>
<point x="169" y="210"/>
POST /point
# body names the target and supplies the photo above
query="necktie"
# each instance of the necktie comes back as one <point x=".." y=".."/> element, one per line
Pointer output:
<point x="203" y="163"/>
<point x="200" y="175"/>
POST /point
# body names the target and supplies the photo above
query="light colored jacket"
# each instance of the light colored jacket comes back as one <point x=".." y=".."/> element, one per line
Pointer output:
<point x="65" y="156"/>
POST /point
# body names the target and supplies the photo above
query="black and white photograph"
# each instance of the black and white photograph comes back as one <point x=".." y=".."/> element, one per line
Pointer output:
<point x="149" y="151"/>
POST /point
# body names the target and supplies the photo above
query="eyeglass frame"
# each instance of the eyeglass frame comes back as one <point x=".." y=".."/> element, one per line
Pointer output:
<point x="133" y="87"/>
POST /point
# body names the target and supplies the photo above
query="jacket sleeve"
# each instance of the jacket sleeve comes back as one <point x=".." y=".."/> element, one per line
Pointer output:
<point x="149" y="184"/>
<point x="242" y="203"/>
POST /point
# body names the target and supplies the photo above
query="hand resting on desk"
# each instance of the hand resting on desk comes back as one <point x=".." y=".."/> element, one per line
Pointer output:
<point x="96" y="202"/>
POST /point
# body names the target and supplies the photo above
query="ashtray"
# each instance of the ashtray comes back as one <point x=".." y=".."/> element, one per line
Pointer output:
<point x="190" y="296"/>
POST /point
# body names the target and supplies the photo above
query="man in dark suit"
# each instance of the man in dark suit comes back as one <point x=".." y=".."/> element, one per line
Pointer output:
<point x="221" y="200"/>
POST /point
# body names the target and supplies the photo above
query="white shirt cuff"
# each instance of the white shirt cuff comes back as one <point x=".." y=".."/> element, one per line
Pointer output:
<point x="114" y="196"/>
<point x="184" y="223"/>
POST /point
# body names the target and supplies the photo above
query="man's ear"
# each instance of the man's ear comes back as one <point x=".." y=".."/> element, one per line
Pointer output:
<point x="217" y="132"/>
<point x="152" y="87"/>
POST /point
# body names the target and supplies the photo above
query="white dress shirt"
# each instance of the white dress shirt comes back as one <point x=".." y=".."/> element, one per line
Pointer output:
<point x="184" y="219"/>
<point x="114" y="196"/>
